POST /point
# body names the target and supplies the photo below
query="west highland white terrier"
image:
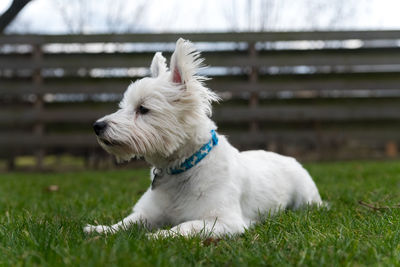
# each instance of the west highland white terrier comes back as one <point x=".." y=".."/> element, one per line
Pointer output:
<point x="201" y="184"/>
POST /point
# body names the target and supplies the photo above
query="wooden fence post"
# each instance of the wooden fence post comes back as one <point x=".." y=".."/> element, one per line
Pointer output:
<point x="11" y="162"/>
<point x="391" y="149"/>
<point x="38" y="105"/>
<point x="253" y="78"/>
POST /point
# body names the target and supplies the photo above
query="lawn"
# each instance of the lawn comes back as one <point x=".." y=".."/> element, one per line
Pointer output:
<point x="42" y="225"/>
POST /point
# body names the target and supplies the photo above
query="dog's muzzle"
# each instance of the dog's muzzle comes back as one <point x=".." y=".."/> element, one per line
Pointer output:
<point x="99" y="127"/>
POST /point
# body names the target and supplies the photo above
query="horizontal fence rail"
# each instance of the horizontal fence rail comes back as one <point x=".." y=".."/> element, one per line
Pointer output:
<point x="200" y="37"/>
<point x="328" y="57"/>
<point x="313" y="95"/>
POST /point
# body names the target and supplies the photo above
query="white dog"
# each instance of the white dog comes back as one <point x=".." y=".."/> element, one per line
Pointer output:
<point x="201" y="184"/>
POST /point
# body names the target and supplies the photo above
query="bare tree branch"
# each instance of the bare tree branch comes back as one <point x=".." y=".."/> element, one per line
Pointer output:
<point x="7" y="17"/>
<point x="118" y="17"/>
<point x="376" y="207"/>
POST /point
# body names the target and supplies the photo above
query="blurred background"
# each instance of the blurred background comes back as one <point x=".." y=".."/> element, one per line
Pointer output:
<point x="314" y="79"/>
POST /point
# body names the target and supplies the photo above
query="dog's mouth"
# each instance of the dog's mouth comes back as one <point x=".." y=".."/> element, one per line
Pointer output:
<point x="117" y="148"/>
<point x="109" y="142"/>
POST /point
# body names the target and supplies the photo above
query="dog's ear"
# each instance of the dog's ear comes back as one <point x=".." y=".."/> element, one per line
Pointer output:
<point x="185" y="62"/>
<point x="158" y="65"/>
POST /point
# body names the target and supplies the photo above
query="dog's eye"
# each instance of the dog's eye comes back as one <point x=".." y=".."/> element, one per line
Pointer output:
<point x="143" y="110"/>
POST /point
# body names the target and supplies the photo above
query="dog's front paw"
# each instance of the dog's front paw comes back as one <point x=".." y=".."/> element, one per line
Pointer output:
<point x="161" y="234"/>
<point x="89" y="228"/>
<point x="97" y="229"/>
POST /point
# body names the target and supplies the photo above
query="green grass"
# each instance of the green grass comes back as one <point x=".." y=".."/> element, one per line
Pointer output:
<point x="42" y="227"/>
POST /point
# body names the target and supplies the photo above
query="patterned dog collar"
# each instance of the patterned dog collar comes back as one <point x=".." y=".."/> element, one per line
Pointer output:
<point x="188" y="163"/>
<point x="196" y="157"/>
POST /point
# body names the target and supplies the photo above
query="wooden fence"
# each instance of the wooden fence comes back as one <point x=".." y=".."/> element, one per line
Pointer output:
<point x="313" y="95"/>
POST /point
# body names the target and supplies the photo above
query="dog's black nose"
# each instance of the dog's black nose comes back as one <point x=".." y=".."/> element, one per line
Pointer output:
<point x="99" y="127"/>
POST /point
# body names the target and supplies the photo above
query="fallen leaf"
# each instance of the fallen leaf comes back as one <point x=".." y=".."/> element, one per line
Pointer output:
<point x="52" y="188"/>
<point x="211" y="241"/>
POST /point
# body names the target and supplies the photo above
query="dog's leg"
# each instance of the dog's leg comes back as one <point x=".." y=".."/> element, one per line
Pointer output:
<point x="198" y="227"/>
<point x="122" y="225"/>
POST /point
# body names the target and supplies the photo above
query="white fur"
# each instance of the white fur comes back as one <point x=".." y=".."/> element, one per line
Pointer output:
<point x="228" y="190"/>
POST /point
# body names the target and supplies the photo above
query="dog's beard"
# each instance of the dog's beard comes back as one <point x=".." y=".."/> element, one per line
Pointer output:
<point x="126" y="147"/>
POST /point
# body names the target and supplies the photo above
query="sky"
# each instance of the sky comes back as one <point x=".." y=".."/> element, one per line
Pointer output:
<point x="98" y="16"/>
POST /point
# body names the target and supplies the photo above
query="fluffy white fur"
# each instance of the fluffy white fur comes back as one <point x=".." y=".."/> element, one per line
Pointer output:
<point x="228" y="190"/>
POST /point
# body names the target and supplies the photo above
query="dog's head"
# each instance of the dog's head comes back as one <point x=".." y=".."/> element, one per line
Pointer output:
<point x="158" y="114"/>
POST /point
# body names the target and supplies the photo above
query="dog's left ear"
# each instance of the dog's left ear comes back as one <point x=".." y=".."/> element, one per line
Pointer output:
<point x="185" y="62"/>
<point x="158" y="65"/>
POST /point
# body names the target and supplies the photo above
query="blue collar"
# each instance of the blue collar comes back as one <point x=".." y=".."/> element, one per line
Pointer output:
<point x="189" y="162"/>
<point x="196" y="157"/>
